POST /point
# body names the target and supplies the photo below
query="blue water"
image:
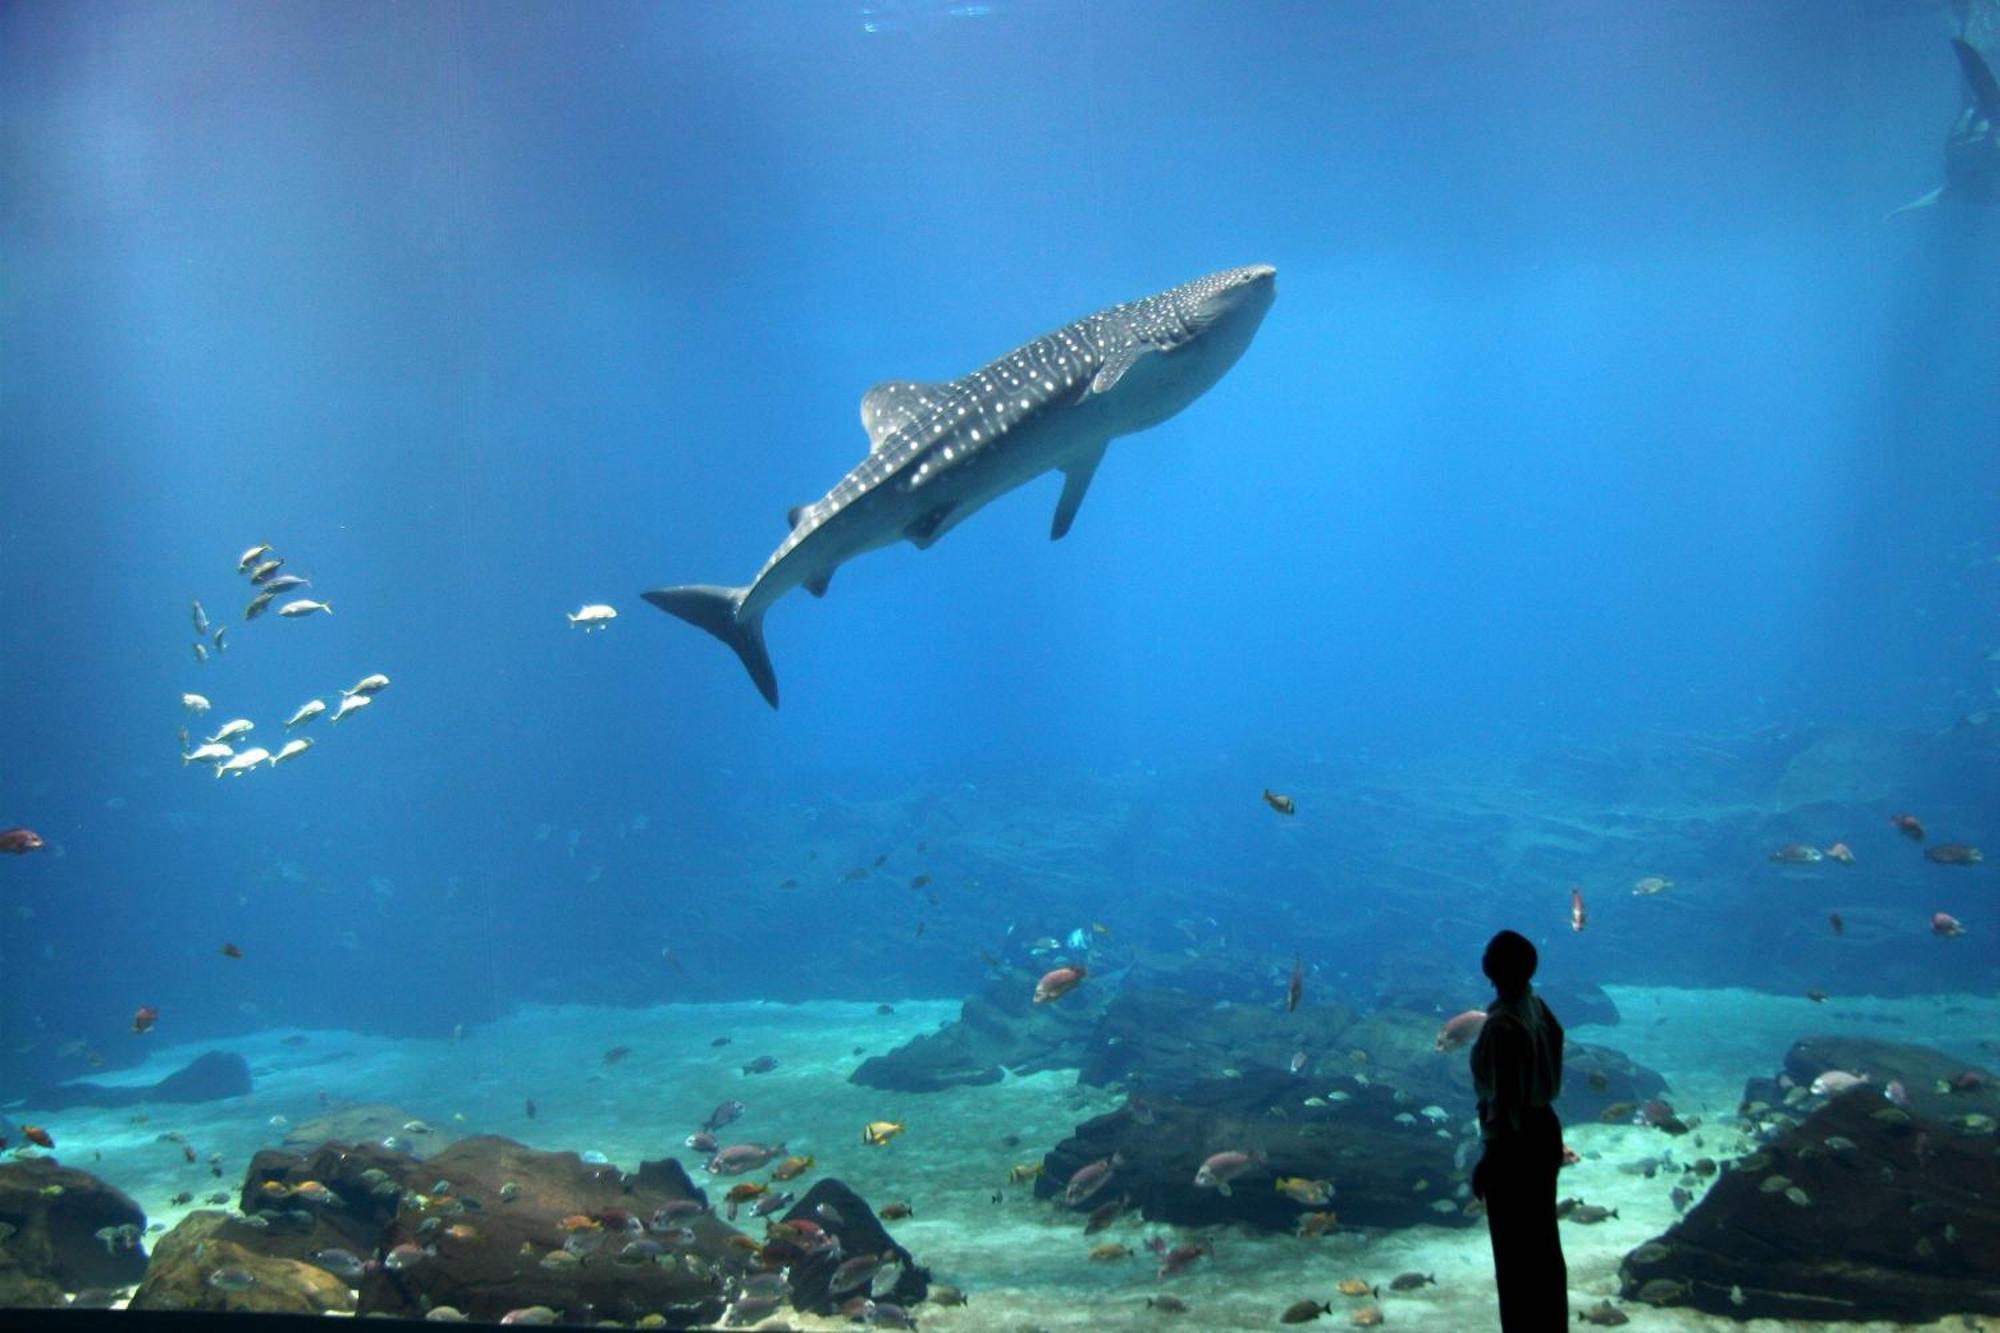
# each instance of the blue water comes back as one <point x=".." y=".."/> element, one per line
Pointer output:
<point x="1600" y="412"/>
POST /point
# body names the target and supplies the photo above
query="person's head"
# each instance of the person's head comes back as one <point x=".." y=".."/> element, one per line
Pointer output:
<point x="1509" y="962"/>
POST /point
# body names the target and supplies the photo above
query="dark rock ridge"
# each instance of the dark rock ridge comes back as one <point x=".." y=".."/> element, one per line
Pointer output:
<point x="1861" y="1211"/>
<point x="1157" y="1039"/>
<point x="206" y="1078"/>
<point x="847" y="1217"/>
<point x="1385" y="1172"/>
<point x="1920" y="1069"/>
<point x="51" y="1215"/>
<point x="1001" y="1028"/>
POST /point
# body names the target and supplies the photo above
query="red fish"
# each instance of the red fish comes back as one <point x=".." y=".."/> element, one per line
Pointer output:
<point x="143" y="1020"/>
<point x="38" y="1136"/>
<point x="231" y="951"/>
<point x="1945" y="924"/>
<point x="1297" y="988"/>
<point x="1909" y="826"/>
<point x="1091" y="1178"/>
<point x="1460" y="1029"/>
<point x="1576" y="917"/>
<point x="20" y="841"/>
<point x="1059" y="982"/>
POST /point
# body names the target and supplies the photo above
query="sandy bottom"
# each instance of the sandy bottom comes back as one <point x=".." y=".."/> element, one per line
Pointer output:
<point x="1023" y="1262"/>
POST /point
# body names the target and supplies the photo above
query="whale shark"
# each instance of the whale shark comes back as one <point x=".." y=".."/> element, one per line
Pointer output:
<point x="1972" y="147"/>
<point x="939" y="452"/>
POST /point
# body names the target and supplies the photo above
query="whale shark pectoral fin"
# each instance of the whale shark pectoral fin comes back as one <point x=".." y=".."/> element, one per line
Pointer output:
<point x="1115" y="366"/>
<point x="1921" y="201"/>
<point x="715" y="610"/>
<point x="1076" y="480"/>
<point x="929" y="526"/>
<point x="817" y="587"/>
<point x="1978" y="77"/>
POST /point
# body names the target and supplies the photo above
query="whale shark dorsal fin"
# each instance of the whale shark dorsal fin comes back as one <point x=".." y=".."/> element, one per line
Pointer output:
<point x="894" y="404"/>
<point x="794" y="514"/>
<point x="817" y="587"/>
<point x="1076" y="480"/>
<point x="1979" y="78"/>
<point x="1115" y="366"/>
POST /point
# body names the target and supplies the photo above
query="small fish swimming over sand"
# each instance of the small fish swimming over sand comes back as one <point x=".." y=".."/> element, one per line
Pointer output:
<point x="595" y="616"/>
<point x="1304" y="1312"/>
<point x="877" y="1133"/>
<point x="304" y="606"/>
<point x="308" y="710"/>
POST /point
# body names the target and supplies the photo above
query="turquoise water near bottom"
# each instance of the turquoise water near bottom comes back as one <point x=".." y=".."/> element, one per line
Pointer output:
<point x="1024" y="1262"/>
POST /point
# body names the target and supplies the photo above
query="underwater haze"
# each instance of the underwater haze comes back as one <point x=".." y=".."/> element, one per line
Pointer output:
<point x="1609" y="492"/>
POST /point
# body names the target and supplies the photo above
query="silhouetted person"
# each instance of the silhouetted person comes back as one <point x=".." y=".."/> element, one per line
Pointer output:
<point x="1517" y="1071"/>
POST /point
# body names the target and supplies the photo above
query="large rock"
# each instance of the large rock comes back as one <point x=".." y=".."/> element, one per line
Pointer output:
<point x="214" y="1262"/>
<point x="53" y="1214"/>
<point x="842" y="1213"/>
<point x="1157" y="1041"/>
<point x="491" y="1232"/>
<point x="207" y="1078"/>
<point x="372" y="1122"/>
<point x="1862" y="1211"/>
<point x="1387" y="1171"/>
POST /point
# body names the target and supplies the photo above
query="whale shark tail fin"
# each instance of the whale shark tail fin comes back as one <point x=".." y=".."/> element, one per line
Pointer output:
<point x="1979" y="78"/>
<point x="716" y="610"/>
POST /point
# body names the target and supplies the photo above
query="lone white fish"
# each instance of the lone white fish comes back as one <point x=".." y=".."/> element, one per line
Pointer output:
<point x="292" y="747"/>
<point x="308" y="710"/>
<point x="594" y="616"/>
<point x="235" y="727"/>
<point x="374" y="684"/>
<point x="200" y="620"/>
<point x="194" y="703"/>
<point x="210" y="753"/>
<point x="305" y="606"/>
<point x="244" y="761"/>
<point x="351" y="703"/>
<point x="249" y="557"/>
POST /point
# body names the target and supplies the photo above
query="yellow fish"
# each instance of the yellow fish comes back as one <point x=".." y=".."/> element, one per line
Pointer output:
<point x="1354" y="1286"/>
<point x="1312" y="1193"/>
<point x="879" y="1132"/>
<point x="1024" y="1172"/>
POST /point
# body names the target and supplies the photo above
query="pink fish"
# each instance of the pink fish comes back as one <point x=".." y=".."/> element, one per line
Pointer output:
<point x="1223" y="1167"/>
<point x="1460" y="1029"/>
<point x="1091" y="1178"/>
<point x="20" y="841"/>
<point x="1834" y="1082"/>
<point x="1058" y="982"/>
<point x="740" y="1157"/>
<point x="1178" y="1258"/>
<point x="1945" y="925"/>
